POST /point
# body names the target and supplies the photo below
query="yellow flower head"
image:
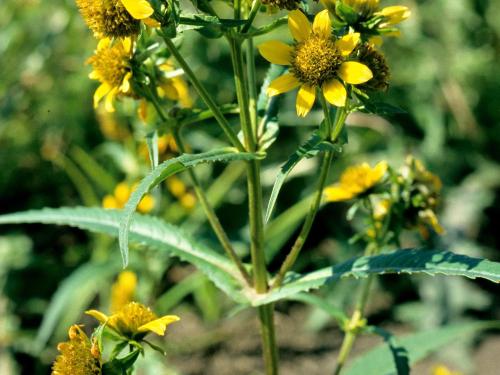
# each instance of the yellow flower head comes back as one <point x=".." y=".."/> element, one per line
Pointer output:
<point x="114" y="18"/>
<point x="134" y="320"/>
<point x="443" y="370"/>
<point x="354" y="181"/>
<point x="367" y="9"/>
<point x="123" y="290"/>
<point x="174" y="88"/>
<point x="111" y="67"/>
<point x="316" y="60"/>
<point x="78" y="357"/>
<point x="121" y="195"/>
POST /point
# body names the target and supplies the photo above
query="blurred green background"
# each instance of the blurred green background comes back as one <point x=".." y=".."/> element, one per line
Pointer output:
<point x="445" y="74"/>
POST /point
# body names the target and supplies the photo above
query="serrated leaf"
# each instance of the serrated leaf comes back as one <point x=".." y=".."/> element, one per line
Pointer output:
<point x="307" y="150"/>
<point x="73" y="295"/>
<point x="410" y="261"/>
<point x="165" y="170"/>
<point x="380" y="361"/>
<point x="146" y="230"/>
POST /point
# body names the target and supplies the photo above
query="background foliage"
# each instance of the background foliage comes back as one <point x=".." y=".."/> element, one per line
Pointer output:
<point x="445" y="75"/>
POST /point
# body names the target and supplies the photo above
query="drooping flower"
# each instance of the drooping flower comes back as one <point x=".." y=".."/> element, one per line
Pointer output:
<point x="316" y="60"/>
<point x="111" y="67"/>
<point x="121" y="195"/>
<point x="123" y="290"/>
<point x="369" y="10"/>
<point x="355" y="181"/>
<point x="134" y="320"/>
<point x="114" y="18"/>
<point x="78" y="355"/>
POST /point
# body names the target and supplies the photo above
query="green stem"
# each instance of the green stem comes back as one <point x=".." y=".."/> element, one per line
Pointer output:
<point x="252" y="85"/>
<point x="255" y="208"/>
<point x="212" y="216"/>
<point x="306" y="228"/>
<point x="202" y="91"/>
<point x="313" y="210"/>
<point x="253" y="13"/>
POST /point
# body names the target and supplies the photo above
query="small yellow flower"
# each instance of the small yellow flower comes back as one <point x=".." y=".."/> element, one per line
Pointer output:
<point x="121" y="195"/>
<point x="78" y="356"/>
<point x="443" y="370"/>
<point x="134" y="320"/>
<point x="367" y="9"/>
<point x="316" y="60"/>
<point x="355" y="181"/>
<point x="111" y="67"/>
<point x="115" y="18"/>
<point x="123" y="290"/>
<point x="176" y="186"/>
<point x="174" y="88"/>
<point x="188" y="201"/>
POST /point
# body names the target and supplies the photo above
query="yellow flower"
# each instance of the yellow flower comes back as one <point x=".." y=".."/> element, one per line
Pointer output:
<point x="367" y="9"/>
<point x="111" y="67"/>
<point x="188" y="201"/>
<point x="115" y="18"/>
<point x="443" y="370"/>
<point x="316" y="60"/>
<point x="134" y="320"/>
<point x="78" y="356"/>
<point x="355" y="181"/>
<point x="123" y="290"/>
<point x="174" y="88"/>
<point x="121" y="195"/>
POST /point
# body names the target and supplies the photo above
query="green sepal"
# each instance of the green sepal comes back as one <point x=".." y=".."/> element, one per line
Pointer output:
<point x="347" y="13"/>
<point x="120" y="366"/>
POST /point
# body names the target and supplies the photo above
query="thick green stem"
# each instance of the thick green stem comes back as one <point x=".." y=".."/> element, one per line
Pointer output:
<point x="306" y="228"/>
<point x="253" y="12"/>
<point x="202" y="91"/>
<point x="255" y="208"/>
<point x="212" y="216"/>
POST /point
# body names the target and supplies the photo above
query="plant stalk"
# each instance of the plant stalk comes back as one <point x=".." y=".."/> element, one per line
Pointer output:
<point x="202" y="91"/>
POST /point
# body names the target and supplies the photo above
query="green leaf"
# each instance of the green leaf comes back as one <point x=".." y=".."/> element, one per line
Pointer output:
<point x="380" y="108"/>
<point x="146" y="230"/>
<point x="119" y="366"/>
<point x="320" y="303"/>
<point x="411" y="261"/>
<point x="73" y="295"/>
<point x="165" y="170"/>
<point x="308" y="150"/>
<point x="398" y="352"/>
<point x="380" y="361"/>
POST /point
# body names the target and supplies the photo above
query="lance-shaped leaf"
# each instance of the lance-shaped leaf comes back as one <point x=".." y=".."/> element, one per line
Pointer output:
<point x="162" y="172"/>
<point x="381" y="361"/>
<point x="145" y="230"/>
<point x="309" y="149"/>
<point x="411" y="261"/>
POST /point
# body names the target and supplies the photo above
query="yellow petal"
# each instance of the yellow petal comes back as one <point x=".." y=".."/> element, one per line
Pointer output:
<point x="322" y="24"/>
<point x="159" y="326"/>
<point x="354" y="72"/>
<point x="127" y="44"/>
<point x="305" y="100"/>
<point x="110" y="98"/>
<point x="125" y="86"/>
<point x="151" y="22"/>
<point x="335" y="93"/>
<point x="183" y="92"/>
<point x="139" y="9"/>
<point x="109" y="202"/>
<point x="93" y="75"/>
<point x="103" y="43"/>
<point x="347" y="43"/>
<point x="299" y="25"/>
<point x="276" y="52"/>
<point x="101" y="317"/>
<point x="336" y="193"/>
<point x="101" y="91"/>
<point x="282" y="84"/>
<point x="379" y="171"/>
<point x="394" y="14"/>
<point x="146" y="204"/>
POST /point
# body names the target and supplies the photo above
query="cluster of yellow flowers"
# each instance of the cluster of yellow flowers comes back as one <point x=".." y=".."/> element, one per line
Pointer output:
<point x="120" y="196"/>
<point x="411" y="194"/>
<point x="321" y="62"/>
<point x="129" y="320"/>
